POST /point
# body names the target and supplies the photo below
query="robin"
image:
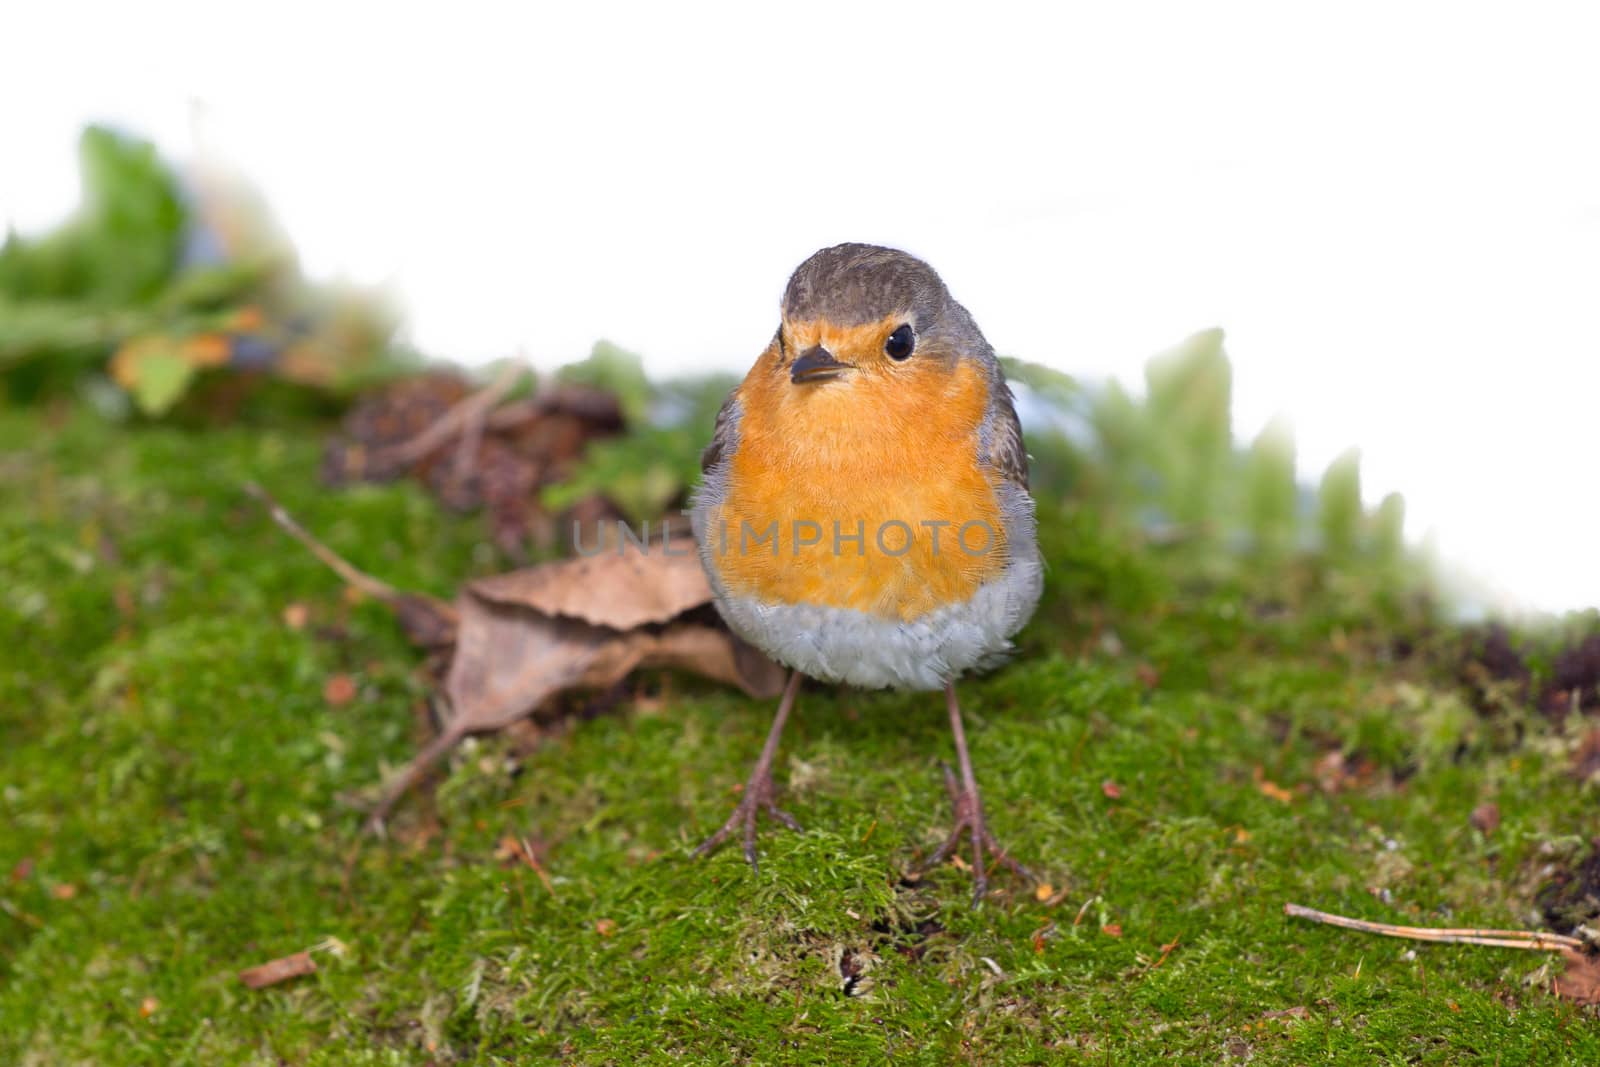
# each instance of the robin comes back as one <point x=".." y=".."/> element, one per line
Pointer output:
<point x="864" y="515"/>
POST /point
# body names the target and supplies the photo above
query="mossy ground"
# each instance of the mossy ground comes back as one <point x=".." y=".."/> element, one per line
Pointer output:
<point x="178" y="801"/>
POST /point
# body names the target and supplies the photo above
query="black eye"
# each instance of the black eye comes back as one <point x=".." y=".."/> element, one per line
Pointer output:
<point x="900" y="343"/>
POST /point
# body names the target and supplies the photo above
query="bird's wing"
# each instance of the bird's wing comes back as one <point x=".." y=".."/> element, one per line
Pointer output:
<point x="722" y="438"/>
<point x="1005" y="437"/>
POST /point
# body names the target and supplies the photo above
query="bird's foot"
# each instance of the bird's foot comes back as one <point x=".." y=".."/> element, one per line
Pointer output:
<point x="757" y="798"/>
<point x="970" y="824"/>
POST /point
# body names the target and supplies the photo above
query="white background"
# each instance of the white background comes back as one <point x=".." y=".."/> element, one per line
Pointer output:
<point x="1393" y="210"/>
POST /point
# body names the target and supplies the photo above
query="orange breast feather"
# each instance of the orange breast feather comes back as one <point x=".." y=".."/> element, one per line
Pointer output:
<point x="886" y="456"/>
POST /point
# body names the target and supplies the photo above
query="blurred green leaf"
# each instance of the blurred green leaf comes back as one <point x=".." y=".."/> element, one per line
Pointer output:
<point x="1388" y="529"/>
<point x="616" y="370"/>
<point x="1339" y="505"/>
<point x="643" y="473"/>
<point x="1050" y="385"/>
<point x="1271" y="494"/>
<point x="1191" y="409"/>
<point x="161" y="379"/>
<point x="122" y="244"/>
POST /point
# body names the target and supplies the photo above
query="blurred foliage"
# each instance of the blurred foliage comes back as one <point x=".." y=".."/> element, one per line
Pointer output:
<point x="158" y="282"/>
<point x="123" y="244"/>
<point x="1272" y="498"/>
<point x="617" y="371"/>
<point x="648" y="472"/>
<point x="1167" y="466"/>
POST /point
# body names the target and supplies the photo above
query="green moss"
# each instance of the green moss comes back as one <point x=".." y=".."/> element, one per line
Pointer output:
<point x="170" y="757"/>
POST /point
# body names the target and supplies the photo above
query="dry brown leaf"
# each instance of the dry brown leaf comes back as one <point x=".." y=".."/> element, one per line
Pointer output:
<point x="579" y="624"/>
<point x="1586" y="760"/>
<point x="1581" y="982"/>
<point x="517" y="639"/>
<point x="339" y="690"/>
<point x="1330" y="771"/>
<point x="619" y="589"/>
<point x="429" y="623"/>
<point x="279" y="970"/>
<point x="1299" y="1011"/>
<point x="1269" y="788"/>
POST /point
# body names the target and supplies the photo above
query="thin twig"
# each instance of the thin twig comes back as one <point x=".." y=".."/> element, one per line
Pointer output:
<point x="489" y="399"/>
<point x="373" y="587"/>
<point x="1537" y="940"/>
<point x="538" y="868"/>
<point x="470" y="410"/>
<point x="451" y="736"/>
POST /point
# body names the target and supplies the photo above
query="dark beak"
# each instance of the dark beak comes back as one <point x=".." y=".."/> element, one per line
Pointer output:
<point x="816" y="365"/>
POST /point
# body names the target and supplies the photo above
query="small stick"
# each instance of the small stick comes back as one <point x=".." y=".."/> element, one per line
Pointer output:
<point x="538" y="868"/>
<point x="373" y="587"/>
<point x="1537" y="940"/>
<point x="466" y="412"/>
<point x="473" y="425"/>
<point x="451" y="736"/>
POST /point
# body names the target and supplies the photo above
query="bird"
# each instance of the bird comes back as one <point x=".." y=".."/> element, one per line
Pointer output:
<point x="863" y="515"/>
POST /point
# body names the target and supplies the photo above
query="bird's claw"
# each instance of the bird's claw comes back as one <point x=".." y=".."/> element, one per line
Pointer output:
<point x="970" y="824"/>
<point x="757" y="798"/>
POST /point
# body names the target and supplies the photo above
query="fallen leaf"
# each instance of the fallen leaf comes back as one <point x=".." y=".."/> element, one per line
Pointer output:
<point x="1112" y="929"/>
<point x="1276" y="792"/>
<point x="429" y="623"/>
<point x="1486" y="817"/>
<point x="1297" y="1012"/>
<point x="339" y="690"/>
<point x="619" y="588"/>
<point x="1330" y="771"/>
<point x="1111" y="789"/>
<point x="1270" y="788"/>
<point x="581" y="624"/>
<point x="509" y="850"/>
<point x="1586" y="760"/>
<point x="517" y="639"/>
<point x="605" y="927"/>
<point x="278" y="970"/>
<point x="1581" y="982"/>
